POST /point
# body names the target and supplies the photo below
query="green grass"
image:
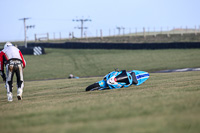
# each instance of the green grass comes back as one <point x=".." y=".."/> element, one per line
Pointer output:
<point x="59" y="63"/>
<point x="167" y="102"/>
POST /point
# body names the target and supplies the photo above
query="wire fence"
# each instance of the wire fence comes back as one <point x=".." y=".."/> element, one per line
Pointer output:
<point x="118" y="31"/>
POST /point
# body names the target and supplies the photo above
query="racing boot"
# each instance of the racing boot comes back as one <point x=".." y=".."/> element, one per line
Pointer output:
<point x="19" y="94"/>
<point x="10" y="96"/>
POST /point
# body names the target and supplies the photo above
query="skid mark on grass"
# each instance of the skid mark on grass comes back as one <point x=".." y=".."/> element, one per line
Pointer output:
<point x="74" y="62"/>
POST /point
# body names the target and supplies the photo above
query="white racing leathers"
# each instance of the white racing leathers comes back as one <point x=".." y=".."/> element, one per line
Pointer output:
<point x="14" y="62"/>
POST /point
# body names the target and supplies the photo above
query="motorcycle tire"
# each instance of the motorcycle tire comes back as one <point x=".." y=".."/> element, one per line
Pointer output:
<point x="93" y="87"/>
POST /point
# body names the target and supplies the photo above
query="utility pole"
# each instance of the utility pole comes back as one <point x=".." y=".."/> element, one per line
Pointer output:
<point x="25" y="41"/>
<point x="120" y="28"/>
<point x="123" y="30"/>
<point x="82" y="21"/>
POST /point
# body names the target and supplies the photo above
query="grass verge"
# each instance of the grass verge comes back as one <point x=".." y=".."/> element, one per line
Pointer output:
<point x="167" y="102"/>
<point x="59" y="63"/>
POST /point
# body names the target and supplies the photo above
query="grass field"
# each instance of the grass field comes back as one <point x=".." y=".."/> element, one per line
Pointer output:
<point x="59" y="63"/>
<point x="166" y="103"/>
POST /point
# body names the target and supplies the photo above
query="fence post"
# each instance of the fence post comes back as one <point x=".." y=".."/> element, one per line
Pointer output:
<point x="48" y="36"/>
<point x="195" y="30"/>
<point x="154" y="31"/>
<point x="70" y="34"/>
<point x="199" y="28"/>
<point x="181" y="31"/>
<point x="35" y="37"/>
<point x="144" y="32"/>
<point x="60" y="35"/>
<point x="85" y="33"/>
<point x="135" y="31"/>
<point x="186" y="29"/>
<point x="168" y="32"/>
<point x="54" y="35"/>
<point x="101" y="32"/>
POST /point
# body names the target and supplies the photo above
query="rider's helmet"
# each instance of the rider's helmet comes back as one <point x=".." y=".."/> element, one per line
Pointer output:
<point x="8" y="44"/>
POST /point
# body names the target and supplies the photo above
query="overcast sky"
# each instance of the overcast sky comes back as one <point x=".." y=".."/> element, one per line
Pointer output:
<point x="55" y="16"/>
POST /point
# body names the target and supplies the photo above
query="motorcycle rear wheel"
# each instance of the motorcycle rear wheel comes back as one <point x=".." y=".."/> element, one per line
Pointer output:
<point x="93" y="87"/>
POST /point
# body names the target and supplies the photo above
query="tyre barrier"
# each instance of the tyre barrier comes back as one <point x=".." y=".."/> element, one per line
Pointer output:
<point x="37" y="50"/>
<point x="81" y="45"/>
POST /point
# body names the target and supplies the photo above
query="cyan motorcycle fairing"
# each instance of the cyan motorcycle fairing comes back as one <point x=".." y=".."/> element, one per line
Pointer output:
<point x="120" y="79"/>
<point x="141" y="76"/>
<point x="115" y="80"/>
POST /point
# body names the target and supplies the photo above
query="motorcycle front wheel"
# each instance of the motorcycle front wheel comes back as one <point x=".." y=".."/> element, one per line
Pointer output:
<point x="93" y="87"/>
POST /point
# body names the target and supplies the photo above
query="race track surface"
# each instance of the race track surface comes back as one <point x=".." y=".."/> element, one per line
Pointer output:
<point x="178" y="70"/>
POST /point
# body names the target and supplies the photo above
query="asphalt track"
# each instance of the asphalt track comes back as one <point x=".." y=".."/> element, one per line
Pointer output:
<point x="177" y="70"/>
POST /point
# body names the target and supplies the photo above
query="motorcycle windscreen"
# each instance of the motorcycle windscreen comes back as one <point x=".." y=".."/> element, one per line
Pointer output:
<point x="123" y="78"/>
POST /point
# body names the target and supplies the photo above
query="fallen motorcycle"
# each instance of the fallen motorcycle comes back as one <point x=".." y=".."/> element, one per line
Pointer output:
<point x="119" y="79"/>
